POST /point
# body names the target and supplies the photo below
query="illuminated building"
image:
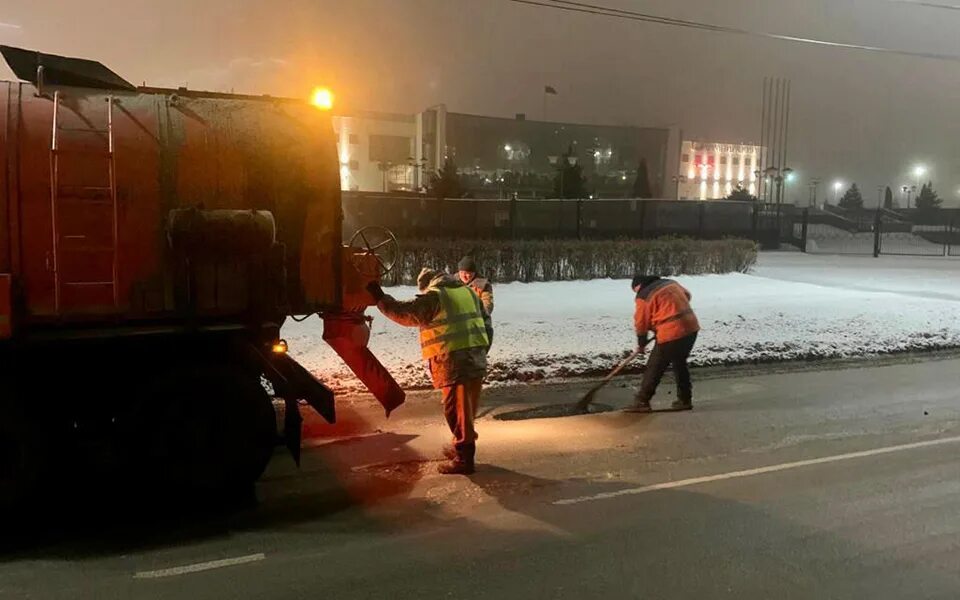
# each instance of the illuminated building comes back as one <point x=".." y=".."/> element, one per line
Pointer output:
<point x="384" y="152"/>
<point x="486" y="148"/>
<point x="710" y="171"/>
<point x="376" y="151"/>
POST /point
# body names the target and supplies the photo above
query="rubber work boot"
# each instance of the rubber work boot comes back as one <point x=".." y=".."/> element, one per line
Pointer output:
<point x="682" y="404"/>
<point x="461" y="464"/>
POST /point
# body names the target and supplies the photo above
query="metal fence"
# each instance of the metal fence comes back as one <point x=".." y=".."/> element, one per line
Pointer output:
<point x="876" y="233"/>
<point x="420" y="217"/>
<point x="922" y="240"/>
<point x="826" y="239"/>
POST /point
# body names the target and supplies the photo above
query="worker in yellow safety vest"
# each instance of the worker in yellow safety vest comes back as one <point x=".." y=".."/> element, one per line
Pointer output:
<point x="455" y="334"/>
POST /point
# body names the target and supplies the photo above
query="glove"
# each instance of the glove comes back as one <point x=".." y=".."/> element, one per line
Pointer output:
<point x="642" y="342"/>
<point x="375" y="290"/>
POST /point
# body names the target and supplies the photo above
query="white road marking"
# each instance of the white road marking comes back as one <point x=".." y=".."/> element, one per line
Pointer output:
<point x="759" y="471"/>
<point x="198" y="567"/>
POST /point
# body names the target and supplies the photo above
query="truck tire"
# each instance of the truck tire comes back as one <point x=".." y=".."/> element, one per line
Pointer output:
<point x="22" y="460"/>
<point x="203" y="428"/>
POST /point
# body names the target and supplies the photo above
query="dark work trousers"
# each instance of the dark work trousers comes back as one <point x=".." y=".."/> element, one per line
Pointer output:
<point x="674" y="354"/>
<point x="460" y="404"/>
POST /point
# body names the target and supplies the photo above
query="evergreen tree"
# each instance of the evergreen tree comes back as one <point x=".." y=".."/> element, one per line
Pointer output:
<point x="741" y="195"/>
<point x="641" y="185"/>
<point x="569" y="181"/>
<point x="928" y="198"/>
<point x="445" y="183"/>
<point x="852" y="199"/>
<point x="888" y="198"/>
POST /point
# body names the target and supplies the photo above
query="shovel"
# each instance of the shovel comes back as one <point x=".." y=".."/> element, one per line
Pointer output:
<point x="584" y="404"/>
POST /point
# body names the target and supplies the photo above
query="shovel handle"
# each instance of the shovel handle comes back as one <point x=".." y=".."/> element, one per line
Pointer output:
<point x="629" y="359"/>
<point x="588" y="398"/>
<point x="623" y="364"/>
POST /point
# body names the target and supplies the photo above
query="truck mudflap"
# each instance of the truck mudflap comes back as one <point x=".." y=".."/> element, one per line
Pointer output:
<point x="348" y="334"/>
<point x="293" y="383"/>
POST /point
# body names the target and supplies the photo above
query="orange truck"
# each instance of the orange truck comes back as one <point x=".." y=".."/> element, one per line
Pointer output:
<point x="152" y="244"/>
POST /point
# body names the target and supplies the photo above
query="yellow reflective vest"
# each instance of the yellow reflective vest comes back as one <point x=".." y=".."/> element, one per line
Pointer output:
<point x="457" y="326"/>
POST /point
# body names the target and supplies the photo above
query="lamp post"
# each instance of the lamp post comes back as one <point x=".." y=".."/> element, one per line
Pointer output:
<point x="786" y="177"/>
<point x="814" y="186"/>
<point x="779" y="177"/>
<point x="770" y="177"/>
<point x="384" y="166"/>
<point x="837" y="186"/>
<point x="677" y="180"/>
<point x="419" y="168"/>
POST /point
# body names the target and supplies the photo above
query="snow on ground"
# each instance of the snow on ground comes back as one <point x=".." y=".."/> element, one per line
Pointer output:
<point x="927" y="277"/>
<point x="830" y="240"/>
<point x="792" y="306"/>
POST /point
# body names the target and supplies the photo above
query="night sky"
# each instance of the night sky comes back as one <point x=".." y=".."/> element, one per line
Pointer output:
<point x="858" y="116"/>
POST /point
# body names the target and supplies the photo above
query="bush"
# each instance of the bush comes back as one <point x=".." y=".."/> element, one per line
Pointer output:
<point x="566" y="260"/>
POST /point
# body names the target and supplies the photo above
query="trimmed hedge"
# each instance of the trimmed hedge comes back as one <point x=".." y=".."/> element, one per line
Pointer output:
<point x="566" y="260"/>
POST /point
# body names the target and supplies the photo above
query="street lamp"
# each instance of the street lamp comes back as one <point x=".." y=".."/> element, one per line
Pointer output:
<point x="677" y="180"/>
<point x="837" y="186"/>
<point x="384" y="167"/>
<point x="787" y="177"/>
<point x="814" y="186"/>
<point x="419" y="172"/>
<point x="779" y="176"/>
<point x="769" y="178"/>
<point x="919" y="171"/>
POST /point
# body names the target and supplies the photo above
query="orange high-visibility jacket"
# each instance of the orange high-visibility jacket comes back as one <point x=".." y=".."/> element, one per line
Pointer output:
<point x="664" y="307"/>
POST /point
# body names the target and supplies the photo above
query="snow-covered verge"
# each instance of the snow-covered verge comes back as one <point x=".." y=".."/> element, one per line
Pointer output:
<point x="791" y="307"/>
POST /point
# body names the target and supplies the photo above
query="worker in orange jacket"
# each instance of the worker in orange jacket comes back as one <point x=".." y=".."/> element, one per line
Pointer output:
<point x="467" y="270"/>
<point x="663" y="306"/>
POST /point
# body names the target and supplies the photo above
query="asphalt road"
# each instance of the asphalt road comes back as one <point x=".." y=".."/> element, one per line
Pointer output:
<point x="818" y="484"/>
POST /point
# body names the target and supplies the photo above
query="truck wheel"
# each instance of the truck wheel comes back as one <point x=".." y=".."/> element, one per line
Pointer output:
<point x="21" y="460"/>
<point x="208" y="428"/>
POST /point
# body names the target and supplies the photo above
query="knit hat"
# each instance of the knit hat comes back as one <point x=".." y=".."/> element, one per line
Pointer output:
<point x="467" y="264"/>
<point x="643" y="280"/>
<point x="425" y="277"/>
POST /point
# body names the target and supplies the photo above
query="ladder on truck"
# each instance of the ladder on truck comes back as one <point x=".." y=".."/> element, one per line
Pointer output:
<point x="85" y="256"/>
